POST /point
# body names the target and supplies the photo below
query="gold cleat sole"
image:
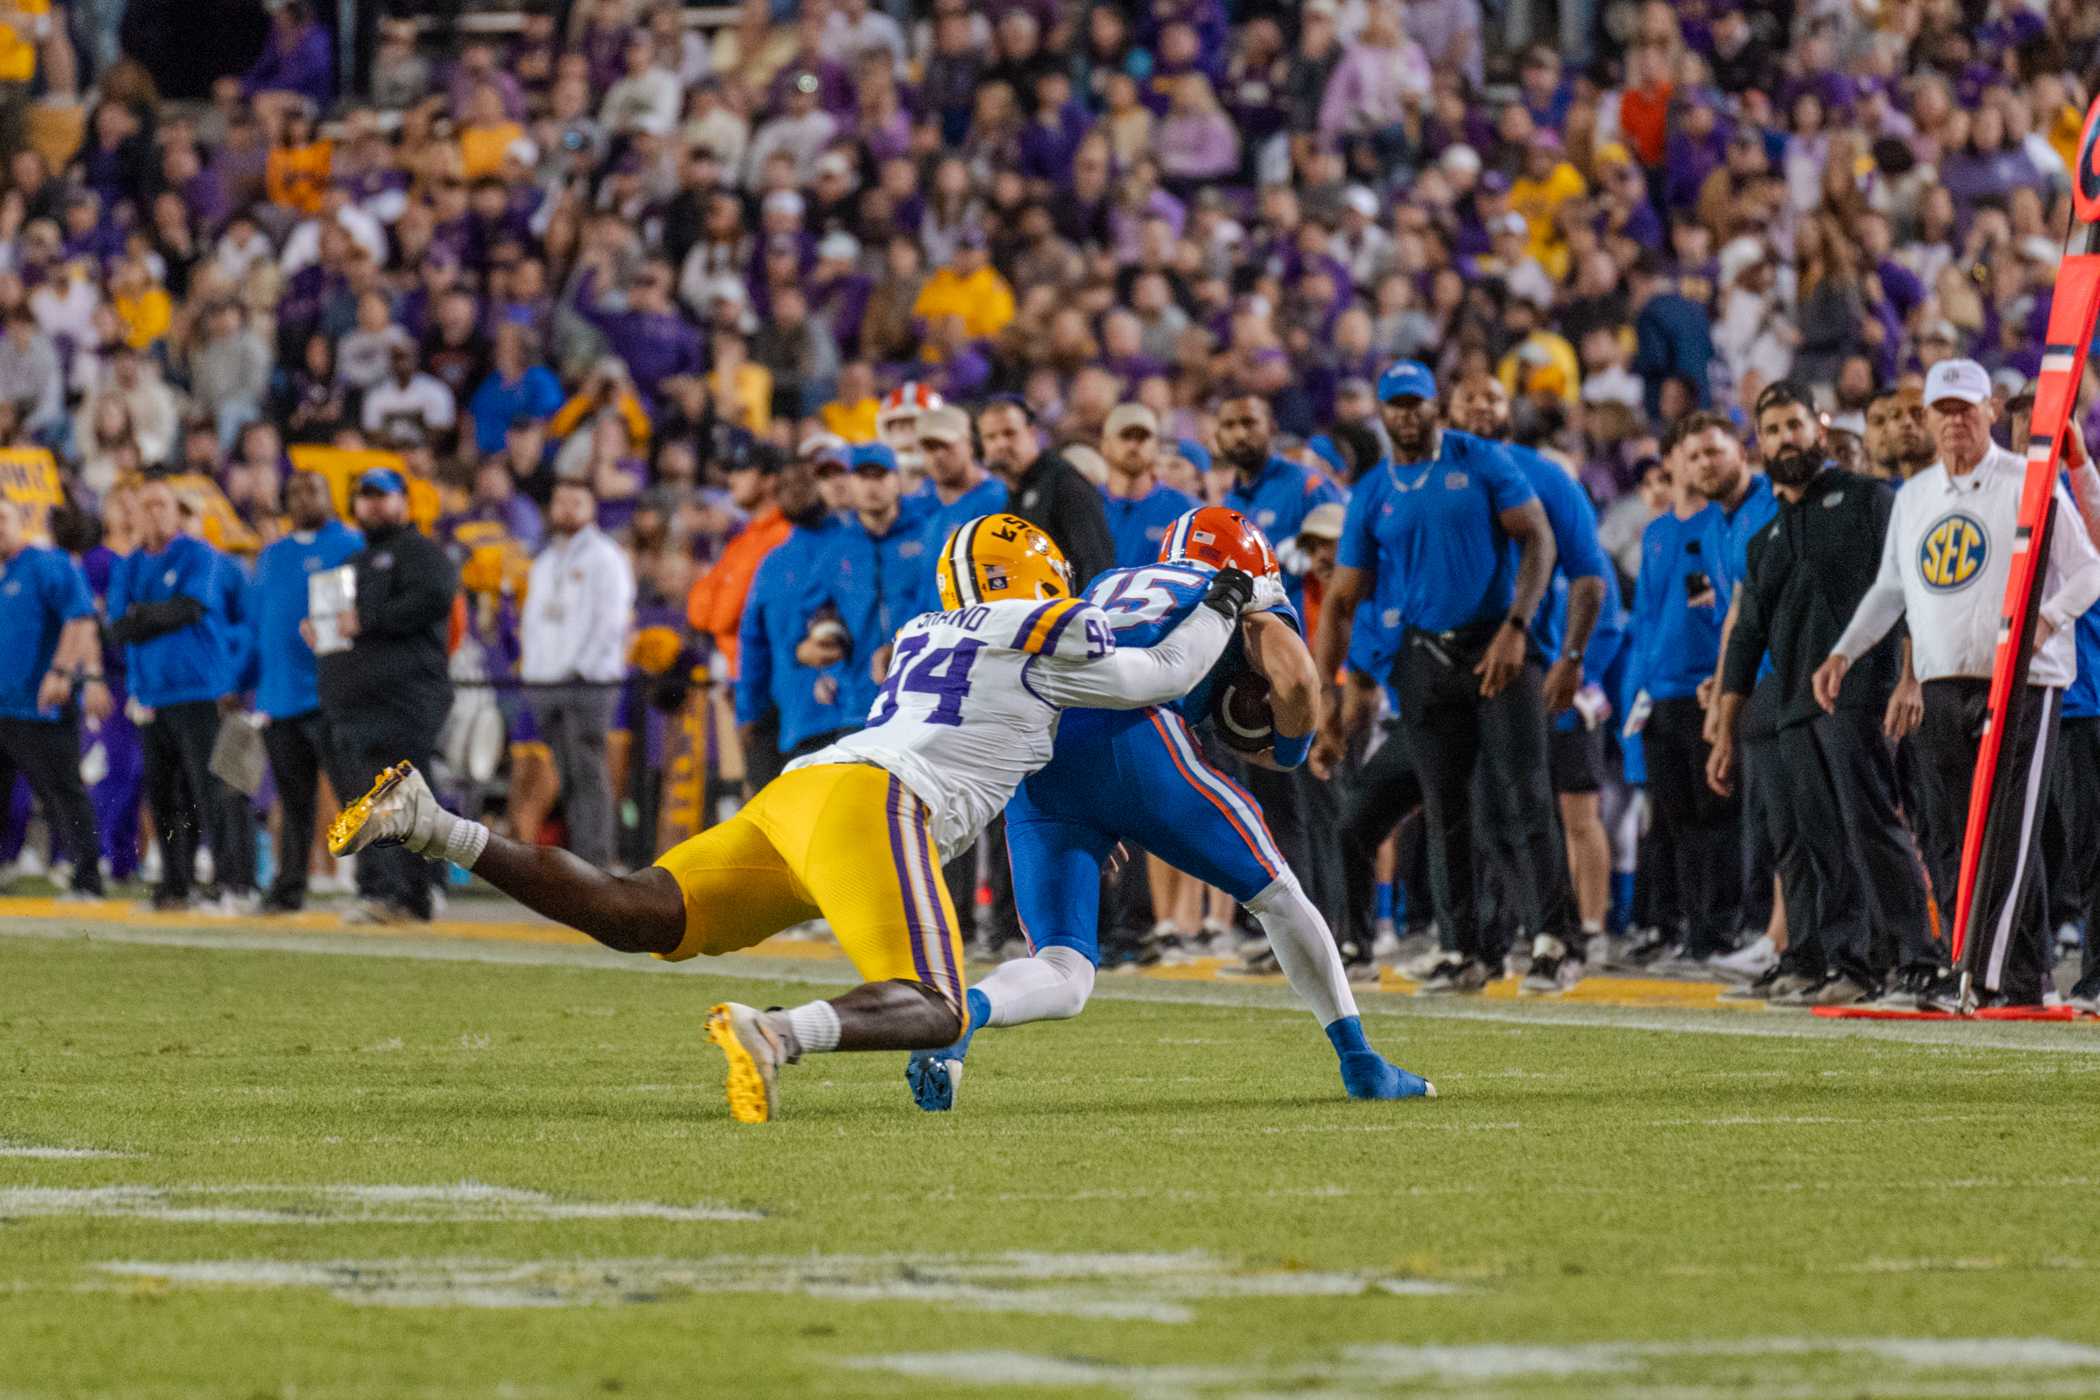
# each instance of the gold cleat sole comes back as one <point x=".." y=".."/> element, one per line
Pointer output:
<point x="749" y="1099"/>
<point x="351" y="820"/>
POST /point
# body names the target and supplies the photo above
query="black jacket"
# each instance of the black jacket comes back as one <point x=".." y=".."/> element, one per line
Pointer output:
<point x="1808" y="568"/>
<point x="405" y="587"/>
<point x="1052" y="494"/>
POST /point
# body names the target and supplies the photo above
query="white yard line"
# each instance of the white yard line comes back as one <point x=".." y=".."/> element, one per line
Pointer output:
<point x="38" y="1153"/>
<point x="1156" y="1288"/>
<point x="2052" y="1039"/>
<point x="260" y="1204"/>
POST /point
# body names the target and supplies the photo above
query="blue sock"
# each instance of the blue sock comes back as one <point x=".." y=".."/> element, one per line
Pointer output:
<point x="1347" y="1036"/>
<point x="979" y="1007"/>
<point x="1382" y="900"/>
<point x="1621" y="901"/>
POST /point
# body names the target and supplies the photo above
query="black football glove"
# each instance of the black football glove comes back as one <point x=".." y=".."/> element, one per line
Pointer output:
<point x="1230" y="592"/>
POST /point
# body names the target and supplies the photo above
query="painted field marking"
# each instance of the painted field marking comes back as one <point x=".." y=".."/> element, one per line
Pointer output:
<point x="1763" y="1368"/>
<point x="1159" y="1288"/>
<point x="39" y="1153"/>
<point x="282" y="1204"/>
<point x="1953" y="1038"/>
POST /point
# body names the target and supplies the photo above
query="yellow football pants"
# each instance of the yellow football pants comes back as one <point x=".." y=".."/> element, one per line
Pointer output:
<point x="844" y="840"/>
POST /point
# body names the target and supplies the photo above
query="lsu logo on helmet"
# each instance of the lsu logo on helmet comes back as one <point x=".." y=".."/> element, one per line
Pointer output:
<point x="1953" y="552"/>
<point x="996" y="558"/>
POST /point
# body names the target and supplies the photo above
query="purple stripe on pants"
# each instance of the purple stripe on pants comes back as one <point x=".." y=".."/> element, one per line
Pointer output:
<point x="902" y="862"/>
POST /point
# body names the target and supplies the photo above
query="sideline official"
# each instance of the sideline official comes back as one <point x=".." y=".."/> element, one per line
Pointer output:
<point x="1430" y="530"/>
<point x="287" y="688"/>
<point x="387" y="696"/>
<point x="1944" y="566"/>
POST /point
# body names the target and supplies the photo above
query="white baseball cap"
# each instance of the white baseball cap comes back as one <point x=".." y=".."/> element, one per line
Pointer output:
<point x="1957" y="379"/>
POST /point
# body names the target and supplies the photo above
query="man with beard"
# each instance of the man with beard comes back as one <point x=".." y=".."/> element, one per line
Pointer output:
<point x="1565" y="761"/>
<point x="1432" y="528"/>
<point x="1851" y="883"/>
<point x="1272" y="491"/>
<point x="1046" y="490"/>
<point x="1898" y="442"/>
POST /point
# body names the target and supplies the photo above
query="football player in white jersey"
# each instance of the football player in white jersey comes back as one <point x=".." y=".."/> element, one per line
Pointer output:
<point x="857" y="832"/>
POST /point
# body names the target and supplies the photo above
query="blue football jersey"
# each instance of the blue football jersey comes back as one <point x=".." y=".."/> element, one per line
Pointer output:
<point x="1144" y="604"/>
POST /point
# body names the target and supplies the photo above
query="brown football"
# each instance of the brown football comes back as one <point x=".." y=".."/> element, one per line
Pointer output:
<point x="1241" y="714"/>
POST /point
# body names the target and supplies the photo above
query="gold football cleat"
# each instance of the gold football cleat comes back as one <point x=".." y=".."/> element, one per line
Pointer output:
<point x="345" y="831"/>
<point x="754" y="1060"/>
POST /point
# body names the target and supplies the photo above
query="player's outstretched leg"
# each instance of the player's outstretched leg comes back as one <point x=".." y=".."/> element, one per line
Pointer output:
<point x="897" y="1015"/>
<point x="1305" y="950"/>
<point x="1051" y="985"/>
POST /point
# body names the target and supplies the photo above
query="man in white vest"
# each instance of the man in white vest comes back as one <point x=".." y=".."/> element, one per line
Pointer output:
<point x="1944" y="566"/>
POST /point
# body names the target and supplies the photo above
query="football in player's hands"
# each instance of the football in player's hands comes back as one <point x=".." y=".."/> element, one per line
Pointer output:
<point x="1240" y="713"/>
<point x="1230" y="592"/>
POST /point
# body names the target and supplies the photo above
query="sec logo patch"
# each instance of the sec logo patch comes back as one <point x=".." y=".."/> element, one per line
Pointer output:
<point x="1952" y="553"/>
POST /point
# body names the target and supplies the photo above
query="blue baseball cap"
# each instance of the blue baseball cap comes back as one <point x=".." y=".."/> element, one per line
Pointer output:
<point x="1408" y="379"/>
<point x="382" y="481"/>
<point x="1194" y="453"/>
<point x="871" y="454"/>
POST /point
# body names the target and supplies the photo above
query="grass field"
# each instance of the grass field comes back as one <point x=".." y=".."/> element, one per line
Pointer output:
<point x="311" y="1165"/>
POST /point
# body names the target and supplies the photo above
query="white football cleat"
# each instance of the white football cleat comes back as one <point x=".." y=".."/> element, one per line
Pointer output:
<point x="754" y="1055"/>
<point x="400" y="808"/>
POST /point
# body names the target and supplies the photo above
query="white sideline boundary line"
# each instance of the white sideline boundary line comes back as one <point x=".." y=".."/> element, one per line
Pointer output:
<point x="2049" y="1039"/>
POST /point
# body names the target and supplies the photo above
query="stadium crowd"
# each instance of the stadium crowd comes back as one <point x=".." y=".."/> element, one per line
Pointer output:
<point x="619" y="376"/>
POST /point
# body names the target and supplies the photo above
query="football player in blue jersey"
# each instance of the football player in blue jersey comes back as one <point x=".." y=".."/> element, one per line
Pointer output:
<point x="1141" y="777"/>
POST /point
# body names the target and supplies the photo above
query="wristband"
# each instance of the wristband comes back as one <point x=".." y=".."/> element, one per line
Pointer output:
<point x="1574" y="656"/>
<point x="1517" y="622"/>
<point x="1290" y="752"/>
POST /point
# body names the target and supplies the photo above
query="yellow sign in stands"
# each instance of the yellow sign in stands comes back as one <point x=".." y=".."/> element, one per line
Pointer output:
<point x="342" y="466"/>
<point x="29" y="478"/>
<point x="221" y="526"/>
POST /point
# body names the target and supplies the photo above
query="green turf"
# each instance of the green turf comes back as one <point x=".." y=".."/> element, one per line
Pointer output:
<point x="1576" y="1185"/>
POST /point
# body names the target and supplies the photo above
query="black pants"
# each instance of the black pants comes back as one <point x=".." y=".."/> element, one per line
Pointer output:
<point x="361" y="745"/>
<point x="191" y="806"/>
<point x="2007" y="942"/>
<point x="1829" y="928"/>
<point x="1449" y="729"/>
<point x="1863" y="768"/>
<point x="298" y="749"/>
<point x="47" y="753"/>
<point x="1381" y="791"/>
<point x="2073" y="852"/>
<point x="1705" y="830"/>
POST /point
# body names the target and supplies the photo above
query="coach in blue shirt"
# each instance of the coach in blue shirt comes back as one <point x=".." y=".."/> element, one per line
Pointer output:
<point x="1567" y="763"/>
<point x="1273" y="492"/>
<point x="1141" y="508"/>
<point x="169" y="608"/>
<point x="957" y="489"/>
<point x="282" y="671"/>
<point x="1438" y="518"/>
<point x="49" y="644"/>
<point x="808" y="635"/>
<point x="887" y="535"/>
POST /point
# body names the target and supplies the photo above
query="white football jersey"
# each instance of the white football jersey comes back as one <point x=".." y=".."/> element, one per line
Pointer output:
<point x="971" y="702"/>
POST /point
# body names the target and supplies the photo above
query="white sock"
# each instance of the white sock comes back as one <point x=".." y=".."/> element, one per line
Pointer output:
<point x="1304" y="948"/>
<point x="458" y="840"/>
<point x="1051" y="986"/>
<point x="816" y="1028"/>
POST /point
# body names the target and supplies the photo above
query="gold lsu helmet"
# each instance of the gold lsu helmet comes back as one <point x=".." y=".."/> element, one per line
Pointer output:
<point x="998" y="558"/>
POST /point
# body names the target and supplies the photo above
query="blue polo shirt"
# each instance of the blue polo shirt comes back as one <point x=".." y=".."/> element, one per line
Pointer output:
<point x="282" y="671"/>
<point x="41" y="590"/>
<point x="191" y="663"/>
<point x="1734" y="529"/>
<point x="987" y="497"/>
<point x="1278" y="499"/>
<point x="1678" y="640"/>
<point x="1432" y="532"/>
<point x="1577" y="554"/>
<point x="1139" y="523"/>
